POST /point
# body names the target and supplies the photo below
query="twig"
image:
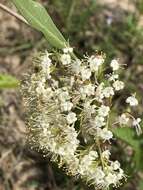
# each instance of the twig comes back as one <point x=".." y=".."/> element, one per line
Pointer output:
<point x="3" y="7"/>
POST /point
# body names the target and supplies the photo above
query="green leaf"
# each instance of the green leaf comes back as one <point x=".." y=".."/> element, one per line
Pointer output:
<point x="7" y="81"/>
<point x="141" y="185"/>
<point x="128" y="136"/>
<point x="38" y="18"/>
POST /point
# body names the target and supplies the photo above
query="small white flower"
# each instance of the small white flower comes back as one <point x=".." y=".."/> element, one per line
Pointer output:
<point x="136" y="124"/>
<point x="63" y="95"/>
<point x="55" y="84"/>
<point x="103" y="111"/>
<point x="106" y="154"/>
<point x="72" y="81"/>
<point x="113" y="77"/>
<point x="115" y="165"/>
<point x="61" y="151"/>
<point x="66" y="106"/>
<point x="99" y="121"/>
<point x="82" y="93"/>
<point x="87" y="90"/>
<point x="136" y="121"/>
<point x="118" y="85"/>
<point x="99" y="92"/>
<point x="65" y="59"/>
<point x="123" y="119"/>
<point x="132" y="101"/>
<point x="99" y="175"/>
<point x="108" y="91"/>
<point x="86" y="162"/>
<point x="68" y="50"/>
<point x="89" y="109"/>
<point x="111" y="179"/>
<point x="85" y="73"/>
<point x="120" y="175"/>
<point x="46" y="61"/>
<point x="105" y="134"/>
<point x="93" y="155"/>
<point x="40" y="88"/>
<point x="87" y="105"/>
<point x="114" y="64"/>
<point x="48" y="93"/>
<point x="71" y="118"/>
<point x="76" y="66"/>
<point x="95" y="62"/>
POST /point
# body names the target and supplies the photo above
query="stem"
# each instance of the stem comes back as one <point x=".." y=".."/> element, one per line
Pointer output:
<point x="100" y="153"/>
<point x="16" y="15"/>
<point x="107" y="123"/>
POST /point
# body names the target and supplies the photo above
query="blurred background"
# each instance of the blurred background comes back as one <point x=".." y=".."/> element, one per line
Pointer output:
<point x="114" y="27"/>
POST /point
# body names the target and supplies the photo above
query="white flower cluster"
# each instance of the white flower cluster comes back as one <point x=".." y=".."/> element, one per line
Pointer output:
<point x="69" y="114"/>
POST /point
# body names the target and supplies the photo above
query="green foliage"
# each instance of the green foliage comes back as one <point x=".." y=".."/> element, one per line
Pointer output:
<point x="141" y="185"/>
<point x="140" y="5"/>
<point x="7" y="81"/>
<point x="128" y="136"/>
<point x="38" y="18"/>
<point x="75" y="22"/>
